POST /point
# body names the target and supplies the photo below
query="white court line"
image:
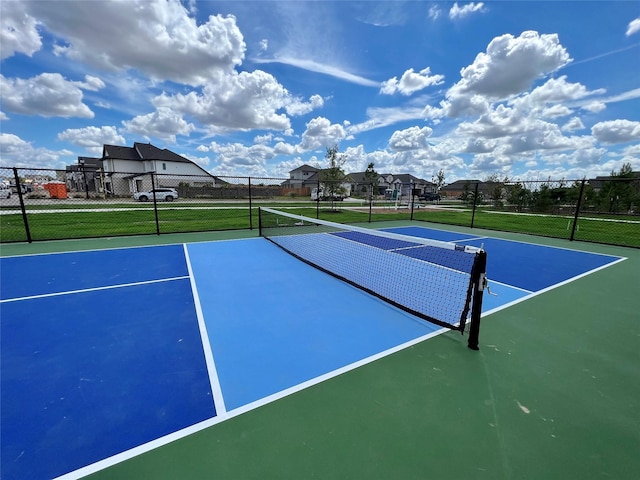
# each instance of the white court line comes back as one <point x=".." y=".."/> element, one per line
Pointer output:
<point x="509" y="286"/>
<point x="88" y="250"/>
<point x="216" y="389"/>
<point x="94" y="289"/>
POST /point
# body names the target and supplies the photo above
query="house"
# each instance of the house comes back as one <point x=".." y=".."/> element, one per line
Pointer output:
<point x="305" y="178"/>
<point x="143" y="166"/>
<point x="81" y="176"/>
<point x="392" y="185"/>
<point x="459" y="188"/>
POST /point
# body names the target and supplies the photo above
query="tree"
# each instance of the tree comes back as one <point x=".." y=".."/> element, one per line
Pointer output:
<point x="371" y="179"/>
<point x="542" y="199"/>
<point x="332" y="178"/>
<point x="438" y="179"/>
<point x="496" y="189"/>
<point x="519" y="196"/>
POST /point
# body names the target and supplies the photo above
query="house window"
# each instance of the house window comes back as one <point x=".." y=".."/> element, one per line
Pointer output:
<point x="164" y="166"/>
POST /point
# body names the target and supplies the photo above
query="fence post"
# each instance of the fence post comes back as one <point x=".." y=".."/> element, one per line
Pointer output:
<point x="25" y="220"/>
<point x="250" y="205"/>
<point x="577" y="214"/>
<point x="155" y="202"/>
<point x="475" y="202"/>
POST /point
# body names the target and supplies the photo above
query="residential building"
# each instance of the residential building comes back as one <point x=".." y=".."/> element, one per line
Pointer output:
<point x="129" y="169"/>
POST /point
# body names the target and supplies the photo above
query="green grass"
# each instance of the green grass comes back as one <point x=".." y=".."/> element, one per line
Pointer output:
<point x="58" y="226"/>
<point x="139" y="219"/>
<point x="619" y="232"/>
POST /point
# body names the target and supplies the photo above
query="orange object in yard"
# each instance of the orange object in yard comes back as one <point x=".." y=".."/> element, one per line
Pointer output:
<point x="56" y="190"/>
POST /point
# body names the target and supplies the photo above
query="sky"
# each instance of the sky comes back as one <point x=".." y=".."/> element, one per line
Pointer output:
<point x="478" y="90"/>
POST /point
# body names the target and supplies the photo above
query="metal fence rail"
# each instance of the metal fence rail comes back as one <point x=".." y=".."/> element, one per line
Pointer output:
<point x="45" y="204"/>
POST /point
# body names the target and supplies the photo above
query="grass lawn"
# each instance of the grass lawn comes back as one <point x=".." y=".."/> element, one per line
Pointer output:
<point x="118" y="219"/>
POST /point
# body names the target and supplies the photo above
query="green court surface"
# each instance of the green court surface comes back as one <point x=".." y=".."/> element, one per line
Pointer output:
<point x="553" y="393"/>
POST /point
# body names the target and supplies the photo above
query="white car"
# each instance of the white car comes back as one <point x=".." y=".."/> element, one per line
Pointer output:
<point x="5" y="193"/>
<point x="162" y="194"/>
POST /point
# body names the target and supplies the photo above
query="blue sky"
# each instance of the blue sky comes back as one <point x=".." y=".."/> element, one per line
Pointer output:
<point x="524" y="90"/>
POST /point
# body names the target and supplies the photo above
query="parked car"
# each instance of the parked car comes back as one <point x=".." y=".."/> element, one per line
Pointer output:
<point x="5" y="193"/>
<point x="162" y="194"/>
<point x="429" y="197"/>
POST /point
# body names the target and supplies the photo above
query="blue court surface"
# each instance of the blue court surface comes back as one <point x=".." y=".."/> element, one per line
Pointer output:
<point x="107" y="354"/>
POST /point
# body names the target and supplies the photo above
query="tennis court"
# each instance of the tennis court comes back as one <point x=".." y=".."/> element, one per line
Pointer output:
<point x="234" y="359"/>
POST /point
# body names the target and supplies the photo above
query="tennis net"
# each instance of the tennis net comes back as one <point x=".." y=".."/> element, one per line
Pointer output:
<point x="440" y="282"/>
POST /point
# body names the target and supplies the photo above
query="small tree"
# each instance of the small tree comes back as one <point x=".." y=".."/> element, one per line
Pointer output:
<point x="438" y="179"/>
<point x="496" y="189"/>
<point x="519" y="196"/>
<point x="371" y="179"/>
<point x="621" y="192"/>
<point x="332" y="178"/>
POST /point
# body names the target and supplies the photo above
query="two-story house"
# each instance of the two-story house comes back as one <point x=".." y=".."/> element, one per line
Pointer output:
<point x="129" y="169"/>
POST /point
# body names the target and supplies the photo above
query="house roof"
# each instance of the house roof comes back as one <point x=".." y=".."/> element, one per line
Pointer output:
<point x="305" y="167"/>
<point x="459" y="185"/>
<point x="144" y="152"/>
<point x="141" y="152"/>
<point x="151" y="152"/>
<point x="121" y="153"/>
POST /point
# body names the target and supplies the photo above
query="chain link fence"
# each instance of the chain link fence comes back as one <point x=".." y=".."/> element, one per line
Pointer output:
<point x="44" y="204"/>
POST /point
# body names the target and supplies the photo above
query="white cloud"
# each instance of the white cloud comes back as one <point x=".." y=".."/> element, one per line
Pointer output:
<point x="264" y="139"/>
<point x="457" y="12"/>
<point x="91" y="83"/>
<point x="282" y="148"/>
<point x="241" y="156"/>
<point x="379" y="117"/>
<point x="321" y="133"/>
<point x="634" y="27"/>
<point x="412" y="138"/>
<point x="241" y="101"/>
<point x="594" y="106"/>
<point x="18" y="31"/>
<point x="16" y="152"/>
<point x="92" y="138"/>
<point x="556" y="111"/>
<point x="162" y="40"/>
<point x="297" y="107"/>
<point x="47" y="95"/>
<point x="509" y="66"/>
<point x="164" y="123"/>
<point x="411" y="82"/>
<point x="554" y="91"/>
<point x="318" y="67"/>
<point x="434" y="12"/>
<point x="572" y="125"/>
<point x="616" y="131"/>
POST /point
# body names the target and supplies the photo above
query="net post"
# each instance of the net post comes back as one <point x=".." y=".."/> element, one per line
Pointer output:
<point x="260" y="221"/>
<point x="479" y="279"/>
